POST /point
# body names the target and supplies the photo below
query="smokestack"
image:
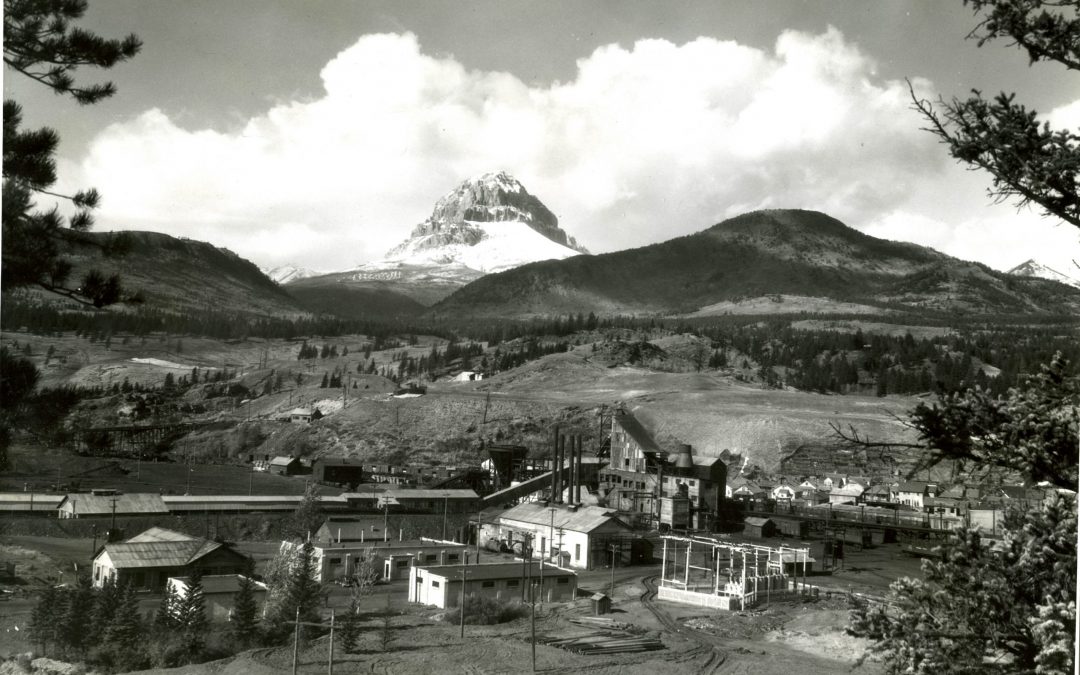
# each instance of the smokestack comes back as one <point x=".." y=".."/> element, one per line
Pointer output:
<point x="577" y="474"/>
<point x="559" y="458"/>
<point x="554" y="461"/>
<point x="570" y="471"/>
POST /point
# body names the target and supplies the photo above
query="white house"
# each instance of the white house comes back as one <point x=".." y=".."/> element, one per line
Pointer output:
<point x="783" y="492"/>
<point x="913" y="493"/>
<point x="504" y="581"/>
<point x="849" y="494"/>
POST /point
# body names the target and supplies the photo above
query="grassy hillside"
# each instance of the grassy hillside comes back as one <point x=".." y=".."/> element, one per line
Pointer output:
<point x="763" y="253"/>
<point x="183" y="276"/>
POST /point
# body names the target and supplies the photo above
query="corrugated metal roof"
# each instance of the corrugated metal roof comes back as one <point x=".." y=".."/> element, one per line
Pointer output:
<point x="282" y="460"/>
<point x="158" y="553"/>
<point x="340" y="461"/>
<point x="485" y="571"/>
<point x="414" y="494"/>
<point x="583" y="519"/>
<point x="159" y="534"/>
<point x="755" y="522"/>
<point x="634" y="428"/>
<point x="28" y="501"/>
<point x="102" y="505"/>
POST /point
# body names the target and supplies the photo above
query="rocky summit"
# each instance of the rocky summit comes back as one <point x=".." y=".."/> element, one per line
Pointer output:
<point x="486" y="224"/>
<point x="461" y="218"/>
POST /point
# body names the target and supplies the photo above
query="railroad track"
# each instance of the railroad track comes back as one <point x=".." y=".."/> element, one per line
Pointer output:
<point x="706" y="644"/>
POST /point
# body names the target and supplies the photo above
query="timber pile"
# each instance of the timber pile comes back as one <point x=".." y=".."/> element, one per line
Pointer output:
<point x="613" y="637"/>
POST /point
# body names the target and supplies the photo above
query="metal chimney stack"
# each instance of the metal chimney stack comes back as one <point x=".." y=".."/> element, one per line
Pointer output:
<point x="577" y="474"/>
<point x="570" y="470"/>
<point x="554" y="462"/>
<point x="558" y="468"/>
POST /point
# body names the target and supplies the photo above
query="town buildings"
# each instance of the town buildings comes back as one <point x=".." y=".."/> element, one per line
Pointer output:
<point x="79" y="505"/>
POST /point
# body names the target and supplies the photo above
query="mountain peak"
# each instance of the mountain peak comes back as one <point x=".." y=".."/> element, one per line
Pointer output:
<point x="1034" y="268"/>
<point x="489" y="206"/>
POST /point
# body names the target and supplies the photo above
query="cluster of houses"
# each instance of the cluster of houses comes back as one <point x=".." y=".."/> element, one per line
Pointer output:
<point x="979" y="505"/>
<point x="353" y="471"/>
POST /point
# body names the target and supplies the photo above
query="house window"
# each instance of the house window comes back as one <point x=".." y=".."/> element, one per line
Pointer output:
<point x="512" y="583"/>
<point x="626" y="462"/>
<point x="403" y="563"/>
<point x="452" y="556"/>
<point x="693" y="483"/>
<point x="577" y="551"/>
<point x="335" y="561"/>
<point x="434" y="584"/>
<point x="430" y="557"/>
<point x="140" y="578"/>
<point x="563" y="580"/>
<point x="487" y="584"/>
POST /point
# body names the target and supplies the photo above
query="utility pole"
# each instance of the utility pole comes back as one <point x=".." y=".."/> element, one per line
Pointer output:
<point x="461" y="605"/>
<point x="330" y="659"/>
<point x="296" y="642"/>
<point x="445" y="499"/>
<point x="479" y="517"/>
<point x="532" y="613"/>
<point x="613" y="559"/>
<point x="551" y="532"/>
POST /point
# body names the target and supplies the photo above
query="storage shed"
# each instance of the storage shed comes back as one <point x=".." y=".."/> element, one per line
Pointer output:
<point x="285" y="466"/>
<point x="759" y="527"/>
<point x="219" y="593"/>
<point x="792" y="527"/>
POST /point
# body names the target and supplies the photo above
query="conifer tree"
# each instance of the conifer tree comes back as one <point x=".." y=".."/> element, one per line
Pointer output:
<point x="75" y="632"/>
<point x="1011" y="609"/>
<point x="125" y="631"/>
<point x="191" y="614"/>
<point x="43" y="625"/>
<point x="244" y="627"/>
<point x="41" y="43"/>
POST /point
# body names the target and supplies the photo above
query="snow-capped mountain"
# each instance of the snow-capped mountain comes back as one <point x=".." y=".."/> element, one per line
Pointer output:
<point x="283" y="274"/>
<point x="1031" y="268"/>
<point x="487" y="224"/>
<point x="484" y="225"/>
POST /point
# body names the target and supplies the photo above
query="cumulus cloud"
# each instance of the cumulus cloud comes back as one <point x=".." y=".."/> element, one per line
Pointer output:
<point x="646" y="142"/>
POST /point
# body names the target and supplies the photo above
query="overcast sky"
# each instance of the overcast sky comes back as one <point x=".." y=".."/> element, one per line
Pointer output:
<point x="319" y="133"/>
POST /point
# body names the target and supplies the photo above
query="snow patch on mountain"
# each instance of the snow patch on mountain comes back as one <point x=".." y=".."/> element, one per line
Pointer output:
<point x="283" y="274"/>
<point x="1031" y="268"/>
<point x="499" y="246"/>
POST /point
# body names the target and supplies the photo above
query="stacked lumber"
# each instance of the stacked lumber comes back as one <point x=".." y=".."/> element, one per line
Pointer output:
<point x="608" y="637"/>
<point x="606" y="643"/>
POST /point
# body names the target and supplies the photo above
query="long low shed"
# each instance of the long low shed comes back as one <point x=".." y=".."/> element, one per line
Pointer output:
<point x="245" y="503"/>
<point x="28" y="503"/>
<point x="440" y="585"/>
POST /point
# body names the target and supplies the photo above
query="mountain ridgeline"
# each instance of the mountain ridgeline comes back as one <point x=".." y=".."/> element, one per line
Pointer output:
<point x="765" y="253"/>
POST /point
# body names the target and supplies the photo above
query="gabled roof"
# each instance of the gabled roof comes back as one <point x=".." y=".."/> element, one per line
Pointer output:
<point x="159" y="534"/>
<point x="633" y="427"/>
<point x="102" y="505"/>
<point x="303" y="412"/>
<point x="158" y="547"/>
<point x="756" y="522"/>
<point x="282" y="460"/>
<point x="583" y="519"/>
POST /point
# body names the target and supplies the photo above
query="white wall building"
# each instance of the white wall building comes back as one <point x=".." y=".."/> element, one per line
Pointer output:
<point x="441" y="585"/>
<point x="571" y="536"/>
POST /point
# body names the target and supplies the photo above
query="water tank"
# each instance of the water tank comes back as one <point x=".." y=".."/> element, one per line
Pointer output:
<point x="683" y="458"/>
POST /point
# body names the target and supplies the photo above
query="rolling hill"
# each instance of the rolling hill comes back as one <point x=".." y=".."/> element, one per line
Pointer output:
<point x="181" y="276"/>
<point x="764" y="253"/>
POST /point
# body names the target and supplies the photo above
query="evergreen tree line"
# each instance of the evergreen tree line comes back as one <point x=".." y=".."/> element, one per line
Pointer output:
<point x="17" y="313"/>
<point x="830" y="361"/>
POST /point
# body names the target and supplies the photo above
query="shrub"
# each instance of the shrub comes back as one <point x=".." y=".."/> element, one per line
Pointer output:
<point x="484" y="611"/>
